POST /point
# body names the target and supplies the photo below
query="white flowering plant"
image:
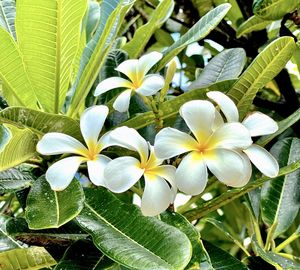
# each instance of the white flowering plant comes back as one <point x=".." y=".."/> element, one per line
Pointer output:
<point x="128" y="142"/>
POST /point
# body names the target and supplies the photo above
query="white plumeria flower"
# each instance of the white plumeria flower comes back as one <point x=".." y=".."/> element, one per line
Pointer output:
<point x="138" y="81"/>
<point x="258" y="124"/>
<point x="211" y="147"/>
<point x="123" y="172"/>
<point x="60" y="174"/>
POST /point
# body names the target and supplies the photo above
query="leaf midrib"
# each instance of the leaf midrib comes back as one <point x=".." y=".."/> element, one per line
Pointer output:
<point x="126" y="236"/>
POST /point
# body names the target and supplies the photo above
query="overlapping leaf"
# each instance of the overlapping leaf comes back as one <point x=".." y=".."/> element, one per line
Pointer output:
<point x="7" y="16"/>
<point x="13" y="180"/>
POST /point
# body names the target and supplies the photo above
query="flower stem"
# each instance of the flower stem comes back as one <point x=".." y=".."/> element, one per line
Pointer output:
<point x="137" y="191"/>
<point x="286" y="242"/>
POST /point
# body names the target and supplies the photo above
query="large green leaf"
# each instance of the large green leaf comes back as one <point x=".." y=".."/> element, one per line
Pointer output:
<point x="201" y="29"/>
<point x="18" y="89"/>
<point x="263" y="69"/>
<point x="200" y="258"/>
<point x="13" y="180"/>
<point x="20" y="148"/>
<point x="143" y="34"/>
<point x="33" y="258"/>
<point x="227" y="65"/>
<point x="83" y="255"/>
<point x="95" y="52"/>
<point x="235" y="193"/>
<point x="49" y="30"/>
<point x="5" y="136"/>
<point x="123" y="234"/>
<point x="6" y="241"/>
<point x="7" y="16"/>
<point x="283" y="125"/>
<point x="274" y="9"/>
<point x="40" y="122"/>
<point x="280" y="198"/>
<point x="93" y="19"/>
<point x="62" y="206"/>
<point x="221" y="260"/>
<point x="254" y="23"/>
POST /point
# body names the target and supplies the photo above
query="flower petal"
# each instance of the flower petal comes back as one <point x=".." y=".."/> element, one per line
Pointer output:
<point x="191" y="174"/>
<point x="151" y="85"/>
<point x="147" y="61"/>
<point x="111" y="83"/>
<point x="226" y="105"/>
<point x="218" y="121"/>
<point x="121" y="104"/>
<point x="122" y="173"/>
<point x="96" y="169"/>
<point x="229" y="167"/>
<point x="91" y="123"/>
<point x="129" y="138"/>
<point x="55" y="143"/>
<point x="170" y="142"/>
<point x="157" y="195"/>
<point x="129" y="68"/>
<point x="260" y="124"/>
<point x="230" y="135"/>
<point x="61" y="173"/>
<point x="199" y="115"/>
<point x="262" y="160"/>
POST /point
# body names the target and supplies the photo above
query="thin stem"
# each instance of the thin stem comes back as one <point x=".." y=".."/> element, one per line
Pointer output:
<point x="270" y="237"/>
<point x="137" y="191"/>
<point x="286" y="242"/>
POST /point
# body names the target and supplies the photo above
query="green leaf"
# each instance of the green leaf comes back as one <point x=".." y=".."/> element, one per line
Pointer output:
<point x="83" y="255"/>
<point x="221" y="260"/>
<point x="263" y="69"/>
<point x="13" y="180"/>
<point x="235" y="193"/>
<point x="274" y="259"/>
<point x="282" y="126"/>
<point x="143" y="34"/>
<point x="20" y="148"/>
<point x="49" y="30"/>
<point x="200" y="258"/>
<point x="33" y="258"/>
<point x="7" y="16"/>
<point x="6" y="241"/>
<point x="93" y="19"/>
<point x="5" y="137"/>
<point x="95" y="52"/>
<point x="280" y="198"/>
<point x="274" y="9"/>
<point x="62" y="206"/>
<point x="254" y="23"/>
<point x="18" y="89"/>
<point x="40" y="122"/>
<point x="201" y="29"/>
<point x="227" y="65"/>
<point x="123" y="234"/>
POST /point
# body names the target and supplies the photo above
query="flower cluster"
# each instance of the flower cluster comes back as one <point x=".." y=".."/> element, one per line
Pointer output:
<point x="223" y="146"/>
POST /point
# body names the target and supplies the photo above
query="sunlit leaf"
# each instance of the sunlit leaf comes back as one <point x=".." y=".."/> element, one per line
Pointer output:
<point x="32" y="258"/>
<point x="254" y="23"/>
<point x="20" y="148"/>
<point x="274" y="9"/>
<point x="49" y="30"/>
<point x="263" y="69"/>
<point x="62" y="206"/>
